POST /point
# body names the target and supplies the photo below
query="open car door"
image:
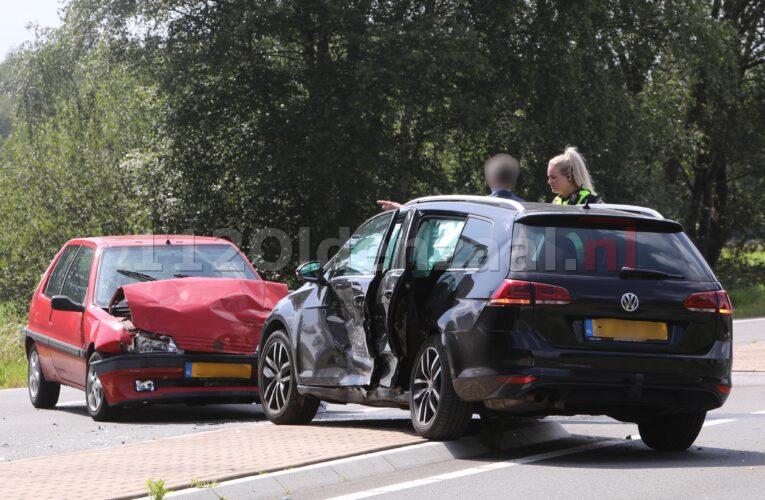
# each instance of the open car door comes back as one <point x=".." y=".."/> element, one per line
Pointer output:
<point x="397" y="267"/>
<point x="341" y="348"/>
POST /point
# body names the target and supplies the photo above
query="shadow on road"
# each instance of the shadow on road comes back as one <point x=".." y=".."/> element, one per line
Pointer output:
<point x="180" y="414"/>
<point x="635" y="455"/>
<point x="632" y="454"/>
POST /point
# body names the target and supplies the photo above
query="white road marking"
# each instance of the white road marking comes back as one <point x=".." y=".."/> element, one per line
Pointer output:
<point x="718" y="421"/>
<point x="761" y="412"/>
<point x="477" y="470"/>
<point x="736" y="321"/>
<point x="71" y="403"/>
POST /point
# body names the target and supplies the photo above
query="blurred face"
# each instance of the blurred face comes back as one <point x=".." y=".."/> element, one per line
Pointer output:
<point x="559" y="184"/>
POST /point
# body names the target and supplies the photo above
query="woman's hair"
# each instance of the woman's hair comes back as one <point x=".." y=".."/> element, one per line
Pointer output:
<point x="571" y="164"/>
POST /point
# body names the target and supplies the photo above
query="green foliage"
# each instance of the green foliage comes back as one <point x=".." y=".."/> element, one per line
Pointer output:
<point x="144" y="115"/>
<point x="68" y="169"/>
<point x="13" y="364"/>
<point x="156" y="489"/>
<point x="748" y="302"/>
<point x="6" y="98"/>
<point x="196" y="483"/>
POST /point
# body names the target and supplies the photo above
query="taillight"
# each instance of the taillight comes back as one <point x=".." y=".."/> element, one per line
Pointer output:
<point x="515" y="292"/>
<point x="723" y="388"/>
<point x="724" y="305"/>
<point x="516" y="379"/>
<point x="709" y="302"/>
<point x="550" y="294"/>
<point x="512" y="292"/>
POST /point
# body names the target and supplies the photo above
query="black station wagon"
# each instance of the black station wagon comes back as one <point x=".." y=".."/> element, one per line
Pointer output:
<point x="456" y="304"/>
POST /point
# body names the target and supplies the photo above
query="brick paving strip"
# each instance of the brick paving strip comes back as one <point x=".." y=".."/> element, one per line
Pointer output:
<point x="749" y="357"/>
<point x="122" y="472"/>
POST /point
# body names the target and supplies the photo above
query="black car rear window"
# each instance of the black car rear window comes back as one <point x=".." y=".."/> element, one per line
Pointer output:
<point x="604" y="251"/>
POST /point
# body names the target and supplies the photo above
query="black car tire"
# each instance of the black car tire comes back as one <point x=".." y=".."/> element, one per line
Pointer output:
<point x="437" y="412"/>
<point x="42" y="393"/>
<point x="675" y="432"/>
<point x="279" y="396"/>
<point x="98" y="407"/>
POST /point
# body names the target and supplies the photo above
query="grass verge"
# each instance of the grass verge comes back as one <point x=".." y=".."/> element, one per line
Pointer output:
<point x="13" y="362"/>
<point x="748" y="302"/>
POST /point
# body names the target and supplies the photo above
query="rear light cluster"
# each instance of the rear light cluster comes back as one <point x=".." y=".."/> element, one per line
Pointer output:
<point x="516" y="379"/>
<point x="515" y="292"/>
<point x="709" y="302"/>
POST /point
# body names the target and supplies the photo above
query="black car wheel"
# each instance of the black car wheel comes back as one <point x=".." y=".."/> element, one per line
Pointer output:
<point x="437" y="412"/>
<point x="278" y="391"/>
<point x="98" y="407"/>
<point x="42" y="393"/>
<point x="674" y="432"/>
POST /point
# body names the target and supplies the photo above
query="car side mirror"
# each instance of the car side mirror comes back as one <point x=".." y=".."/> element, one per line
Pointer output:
<point x="64" y="303"/>
<point x="311" y="272"/>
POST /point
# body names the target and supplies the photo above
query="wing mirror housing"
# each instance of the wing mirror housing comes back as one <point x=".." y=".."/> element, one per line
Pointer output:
<point x="63" y="303"/>
<point x="311" y="272"/>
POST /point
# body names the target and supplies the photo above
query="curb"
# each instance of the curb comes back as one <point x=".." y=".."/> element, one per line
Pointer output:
<point x="283" y="483"/>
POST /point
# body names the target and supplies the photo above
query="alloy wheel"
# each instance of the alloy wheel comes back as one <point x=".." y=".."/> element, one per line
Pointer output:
<point x="95" y="394"/>
<point x="426" y="386"/>
<point x="34" y="373"/>
<point x="277" y="376"/>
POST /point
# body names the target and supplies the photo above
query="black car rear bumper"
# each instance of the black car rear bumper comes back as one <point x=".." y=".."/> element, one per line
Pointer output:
<point x="491" y="366"/>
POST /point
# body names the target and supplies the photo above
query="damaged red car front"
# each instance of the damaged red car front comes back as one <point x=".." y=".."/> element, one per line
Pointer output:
<point x="132" y="320"/>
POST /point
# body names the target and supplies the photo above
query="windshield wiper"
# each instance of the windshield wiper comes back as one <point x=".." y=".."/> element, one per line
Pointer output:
<point x="136" y="275"/>
<point x="632" y="272"/>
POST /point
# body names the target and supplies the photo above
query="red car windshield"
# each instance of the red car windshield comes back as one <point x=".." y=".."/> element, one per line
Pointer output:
<point x="124" y="265"/>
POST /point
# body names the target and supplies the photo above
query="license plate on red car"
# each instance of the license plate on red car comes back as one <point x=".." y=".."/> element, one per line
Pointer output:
<point x="625" y="330"/>
<point x="198" y="369"/>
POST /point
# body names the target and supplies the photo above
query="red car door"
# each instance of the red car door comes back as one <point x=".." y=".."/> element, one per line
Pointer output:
<point x="66" y="326"/>
<point x="40" y="312"/>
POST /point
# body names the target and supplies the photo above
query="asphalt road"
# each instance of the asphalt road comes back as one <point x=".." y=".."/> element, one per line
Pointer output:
<point x="26" y="432"/>
<point x="746" y="331"/>
<point x="727" y="461"/>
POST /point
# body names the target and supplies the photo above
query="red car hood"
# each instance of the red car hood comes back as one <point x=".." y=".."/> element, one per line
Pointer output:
<point x="204" y="314"/>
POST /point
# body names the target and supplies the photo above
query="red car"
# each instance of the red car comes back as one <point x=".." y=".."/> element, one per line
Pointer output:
<point x="141" y="319"/>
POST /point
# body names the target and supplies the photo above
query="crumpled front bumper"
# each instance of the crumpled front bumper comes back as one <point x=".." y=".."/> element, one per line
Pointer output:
<point x="172" y="379"/>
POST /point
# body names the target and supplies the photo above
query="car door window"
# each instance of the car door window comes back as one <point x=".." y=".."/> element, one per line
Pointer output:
<point x="76" y="282"/>
<point x="436" y="242"/>
<point x="358" y="255"/>
<point x="473" y="245"/>
<point x="391" y="251"/>
<point x="59" y="271"/>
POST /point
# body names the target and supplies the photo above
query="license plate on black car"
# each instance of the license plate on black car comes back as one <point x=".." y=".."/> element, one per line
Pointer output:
<point x="625" y="330"/>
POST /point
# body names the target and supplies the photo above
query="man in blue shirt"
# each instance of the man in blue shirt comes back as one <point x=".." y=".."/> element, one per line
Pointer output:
<point x="501" y="171"/>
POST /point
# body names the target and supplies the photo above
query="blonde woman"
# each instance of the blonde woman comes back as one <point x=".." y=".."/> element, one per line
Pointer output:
<point x="568" y="178"/>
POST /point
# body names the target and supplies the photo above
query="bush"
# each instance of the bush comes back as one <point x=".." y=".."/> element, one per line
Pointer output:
<point x="737" y="273"/>
<point x="748" y="302"/>
<point x="13" y="365"/>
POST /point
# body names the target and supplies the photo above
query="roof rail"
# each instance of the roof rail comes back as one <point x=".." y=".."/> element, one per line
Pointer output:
<point x="487" y="200"/>
<point x="635" y="209"/>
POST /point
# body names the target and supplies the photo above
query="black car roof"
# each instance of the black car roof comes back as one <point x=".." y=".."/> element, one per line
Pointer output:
<point x="531" y="208"/>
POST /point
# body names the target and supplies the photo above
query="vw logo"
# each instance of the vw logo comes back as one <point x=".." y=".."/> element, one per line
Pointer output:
<point x="630" y="302"/>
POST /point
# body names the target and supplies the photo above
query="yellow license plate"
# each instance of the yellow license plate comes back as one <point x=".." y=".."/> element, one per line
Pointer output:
<point x="218" y="370"/>
<point x="625" y="330"/>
